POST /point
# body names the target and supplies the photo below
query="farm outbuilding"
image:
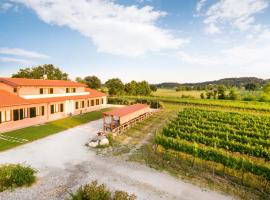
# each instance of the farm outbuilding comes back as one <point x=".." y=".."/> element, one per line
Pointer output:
<point x="122" y="118"/>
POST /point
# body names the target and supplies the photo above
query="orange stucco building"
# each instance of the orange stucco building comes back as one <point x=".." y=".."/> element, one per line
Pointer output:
<point x="27" y="102"/>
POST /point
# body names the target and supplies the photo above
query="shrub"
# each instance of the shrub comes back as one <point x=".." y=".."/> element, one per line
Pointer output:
<point x="12" y="176"/>
<point x="121" y="195"/>
<point x="93" y="191"/>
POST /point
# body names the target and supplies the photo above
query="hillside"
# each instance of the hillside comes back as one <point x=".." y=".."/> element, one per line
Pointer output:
<point x="237" y="82"/>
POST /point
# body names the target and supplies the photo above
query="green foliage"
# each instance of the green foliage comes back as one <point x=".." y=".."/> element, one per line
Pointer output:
<point x="51" y="72"/>
<point x="202" y="96"/>
<point x="110" y="138"/>
<point x="12" y="176"/>
<point x="92" y="82"/>
<point x="251" y="86"/>
<point x="137" y="88"/>
<point x="221" y="92"/>
<point x="115" y="86"/>
<point x="121" y="195"/>
<point x="266" y="88"/>
<point x="153" y="88"/>
<point x="266" y="93"/>
<point x="233" y="94"/>
<point x="127" y="101"/>
<point x="93" y="191"/>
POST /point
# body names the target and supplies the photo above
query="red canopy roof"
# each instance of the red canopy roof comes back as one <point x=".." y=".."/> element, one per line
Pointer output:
<point x="119" y="112"/>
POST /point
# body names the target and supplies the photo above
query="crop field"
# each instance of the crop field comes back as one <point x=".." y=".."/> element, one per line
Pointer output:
<point x="237" y="141"/>
<point x="162" y="92"/>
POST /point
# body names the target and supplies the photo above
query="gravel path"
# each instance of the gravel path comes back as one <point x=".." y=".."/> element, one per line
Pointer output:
<point x="64" y="163"/>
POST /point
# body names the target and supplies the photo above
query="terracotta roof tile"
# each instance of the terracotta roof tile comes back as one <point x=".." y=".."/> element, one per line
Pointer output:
<point x="126" y="110"/>
<point x="7" y="98"/>
<point x="16" y="82"/>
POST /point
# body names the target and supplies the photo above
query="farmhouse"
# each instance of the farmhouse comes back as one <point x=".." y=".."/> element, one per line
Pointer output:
<point x="27" y="102"/>
<point x="120" y="119"/>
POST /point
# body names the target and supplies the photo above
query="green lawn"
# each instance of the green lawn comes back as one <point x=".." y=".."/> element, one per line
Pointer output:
<point x="36" y="132"/>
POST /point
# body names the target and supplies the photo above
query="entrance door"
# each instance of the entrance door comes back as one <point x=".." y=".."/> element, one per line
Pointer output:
<point x="69" y="107"/>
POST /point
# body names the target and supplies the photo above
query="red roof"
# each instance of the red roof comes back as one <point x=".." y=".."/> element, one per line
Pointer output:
<point x="8" y="99"/>
<point x="16" y="82"/>
<point x="119" y="112"/>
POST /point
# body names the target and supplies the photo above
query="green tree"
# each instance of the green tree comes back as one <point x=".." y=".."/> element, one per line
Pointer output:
<point x="143" y="89"/>
<point x="80" y="80"/>
<point x="153" y="88"/>
<point x="115" y="86"/>
<point x="92" y="82"/>
<point x="221" y="92"/>
<point x="233" y="94"/>
<point x="131" y="88"/>
<point x="266" y="93"/>
<point x="40" y="72"/>
<point x="250" y="86"/>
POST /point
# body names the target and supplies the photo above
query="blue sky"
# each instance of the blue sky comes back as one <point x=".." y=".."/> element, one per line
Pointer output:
<point x="153" y="40"/>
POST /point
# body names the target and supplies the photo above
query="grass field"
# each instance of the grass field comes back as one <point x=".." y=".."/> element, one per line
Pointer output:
<point x="39" y="131"/>
<point x="162" y="92"/>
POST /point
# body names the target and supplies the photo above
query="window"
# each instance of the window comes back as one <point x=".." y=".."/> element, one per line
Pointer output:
<point x="41" y="91"/>
<point x="67" y="90"/>
<point x="15" y="90"/>
<point x="52" y="109"/>
<point x="74" y="90"/>
<point x="77" y="105"/>
<point x="92" y="102"/>
<point x="82" y="104"/>
<point x="5" y="116"/>
<point x="97" y="101"/>
<point x="21" y="114"/>
<point x="51" y="90"/>
<point x="16" y="116"/>
<point x="102" y="101"/>
<point x="33" y="112"/>
<point x="88" y="103"/>
<point x="61" y="107"/>
<point x="42" y="110"/>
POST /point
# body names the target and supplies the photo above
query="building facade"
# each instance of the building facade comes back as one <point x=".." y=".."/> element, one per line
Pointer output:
<point x="27" y="102"/>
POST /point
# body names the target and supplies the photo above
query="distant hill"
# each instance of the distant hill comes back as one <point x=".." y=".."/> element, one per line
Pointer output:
<point x="237" y="82"/>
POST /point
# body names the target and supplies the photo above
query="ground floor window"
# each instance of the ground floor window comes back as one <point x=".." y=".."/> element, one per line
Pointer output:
<point x="82" y="104"/>
<point x="77" y="105"/>
<point x="33" y="112"/>
<point x="97" y="101"/>
<point x="102" y="101"/>
<point x="40" y="111"/>
<point x="55" y="108"/>
<point x="88" y="103"/>
<point x="5" y="116"/>
<point x="92" y="102"/>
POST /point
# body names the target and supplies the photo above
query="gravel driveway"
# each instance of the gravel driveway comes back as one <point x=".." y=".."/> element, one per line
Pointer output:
<point x="64" y="163"/>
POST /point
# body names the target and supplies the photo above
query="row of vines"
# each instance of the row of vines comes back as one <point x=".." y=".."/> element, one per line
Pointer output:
<point x="231" y="139"/>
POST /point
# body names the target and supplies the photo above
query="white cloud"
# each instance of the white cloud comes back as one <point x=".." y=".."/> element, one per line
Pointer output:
<point x="113" y="28"/>
<point x="22" y="53"/>
<point x="14" y="60"/>
<point x="237" y="13"/>
<point x="200" y="5"/>
<point x="253" y="53"/>
<point x="212" y="28"/>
